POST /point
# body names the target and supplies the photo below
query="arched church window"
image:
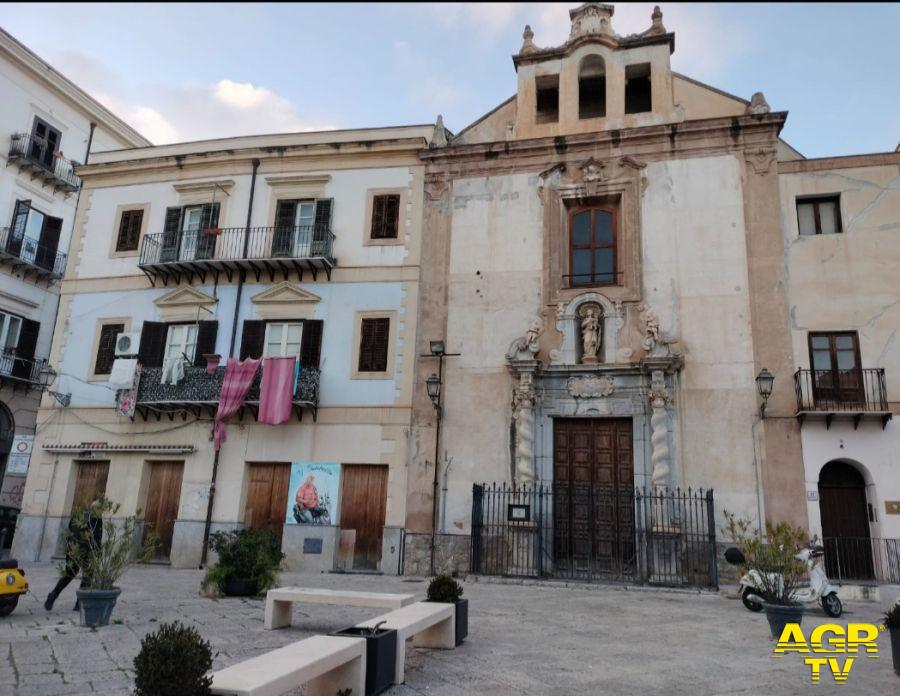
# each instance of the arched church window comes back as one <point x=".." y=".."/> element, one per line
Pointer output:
<point x="592" y="88"/>
<point x="592" y="246"/>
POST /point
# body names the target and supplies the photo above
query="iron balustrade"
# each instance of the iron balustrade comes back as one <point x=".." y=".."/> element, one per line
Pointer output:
<point x="851" y="391"/>
<point x="586" y="280"/>
<point x="228" y="243"/>
<point x="40" y="258"/>
<point x="36" y="153"/>
<point x="635" y="535"/>
<point x="862" y="559"/>
<point x="21" y="370"/>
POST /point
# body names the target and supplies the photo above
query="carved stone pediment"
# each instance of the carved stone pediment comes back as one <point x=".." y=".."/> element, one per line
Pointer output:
<point x="185" y="296"/>
<point x="590" y="387"/>
<point x="284" y="292"/>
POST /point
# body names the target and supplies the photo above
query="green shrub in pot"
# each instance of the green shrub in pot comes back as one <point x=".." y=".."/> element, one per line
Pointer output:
<point x="444" y="588"/>
<point x="173" y="661"/>
<point x="248" y="562"/>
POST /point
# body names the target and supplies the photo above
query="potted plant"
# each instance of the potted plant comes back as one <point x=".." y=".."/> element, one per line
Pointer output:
<point x="773" y="567"/>
<point x="103" y="560"/>
<point x="445" y="589"/>
<point x="892" y="624"/>
<point x="214" y="231"/>
<point x="173" y="661"/>
<point x="381" y="655"/>
<point x="248" y="563"/>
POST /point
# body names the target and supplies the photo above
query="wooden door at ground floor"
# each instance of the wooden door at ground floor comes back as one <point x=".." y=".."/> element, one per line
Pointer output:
<point x="90" y="483"/>
<point x="163" y="498"/>
<point x="363" y="506"/>
<point x="267" y="495"/>
<point x="845" y="523"/>
<point x="593" y="490"/>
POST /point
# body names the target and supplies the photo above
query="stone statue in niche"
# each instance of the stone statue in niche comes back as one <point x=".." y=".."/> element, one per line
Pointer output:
<point x="526" y="347"/>
<point x="590" y="336"/>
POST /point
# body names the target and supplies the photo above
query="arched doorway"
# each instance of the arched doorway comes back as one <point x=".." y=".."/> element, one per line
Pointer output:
<point x="7" y="430"/>
<point x="845" y="522"/>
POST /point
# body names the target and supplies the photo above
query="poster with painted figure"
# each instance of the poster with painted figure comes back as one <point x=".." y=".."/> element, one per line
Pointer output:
<point x="313" y="493"/>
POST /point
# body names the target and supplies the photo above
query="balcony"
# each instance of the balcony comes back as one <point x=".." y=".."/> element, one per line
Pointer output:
<point x="35" y="156"/>
<point x="852" y="394"/>
<point x="198" y="393"/>
<point x="258" y="250"/>
<point x="31" y="256"/>
<point x="20" y="372"/>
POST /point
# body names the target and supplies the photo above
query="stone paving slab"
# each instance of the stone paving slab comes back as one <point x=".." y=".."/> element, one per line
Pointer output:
<point x="523" y="639"/>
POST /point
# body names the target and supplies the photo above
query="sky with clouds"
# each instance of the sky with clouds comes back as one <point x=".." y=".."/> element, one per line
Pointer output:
<point x="194" y="71"/>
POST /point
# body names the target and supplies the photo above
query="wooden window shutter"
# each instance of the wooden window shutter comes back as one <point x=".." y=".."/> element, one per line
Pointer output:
<point x="206" y="243"/>
<point x="282" y="238"/>
<point x="28" y="336"/>
<point x="17" y="231"/>
<point x="253" y="337"/>
<point x="171" y="234"/>
<point x="129" y="230"/>
<point x="385" y="216"/>
<point x="106" y="350"/>
<point x="373" y="345"/>
<point x="153" y="344"/>
<point x="311" y="343"/>
<point x="206" y="341"/>
<point x="48" y="243"/>
<point x="323" y="214"/>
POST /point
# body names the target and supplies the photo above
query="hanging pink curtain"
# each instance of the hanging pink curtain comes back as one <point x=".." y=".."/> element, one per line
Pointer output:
<point x="238" y="377"/>
<point x="277" y="391"/>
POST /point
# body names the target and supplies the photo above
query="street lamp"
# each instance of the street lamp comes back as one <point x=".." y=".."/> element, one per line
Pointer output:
<point x="764" y="382"/>
<point x="46" y="377"/>
<point x="433" y="387"/>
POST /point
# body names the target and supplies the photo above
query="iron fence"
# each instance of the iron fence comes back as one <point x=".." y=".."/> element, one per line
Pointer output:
<point x="595" y="533"/>
<point x="55" y="168"/>
<point x="862" y="559"/>
<point x="21" y="369"/>
<point x="42" y="258"/>
<point x="858" y="390"/>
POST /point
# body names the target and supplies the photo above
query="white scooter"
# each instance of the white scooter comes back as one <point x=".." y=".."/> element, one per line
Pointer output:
<point x="819" y="590"/>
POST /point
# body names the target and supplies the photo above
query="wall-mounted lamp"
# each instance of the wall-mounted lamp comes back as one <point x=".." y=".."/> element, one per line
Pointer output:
<point x="764" y="383"/>
<point x="433" y="387"/>
<point x="46" y="377"/>
<point x="436" y="347"/>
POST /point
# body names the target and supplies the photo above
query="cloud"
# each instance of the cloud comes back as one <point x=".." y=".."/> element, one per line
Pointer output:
<point x="167" y="113"/>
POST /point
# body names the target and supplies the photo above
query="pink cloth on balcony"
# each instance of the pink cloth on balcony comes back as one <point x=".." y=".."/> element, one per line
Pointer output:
<point x="277" y="391"/>
<point x="238" y="377"/>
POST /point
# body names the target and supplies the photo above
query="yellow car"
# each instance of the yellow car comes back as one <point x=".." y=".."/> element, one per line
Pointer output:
<point x="12" y="585"/>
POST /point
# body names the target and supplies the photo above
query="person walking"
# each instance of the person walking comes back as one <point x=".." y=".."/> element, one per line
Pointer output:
<point x="85" y="530"/>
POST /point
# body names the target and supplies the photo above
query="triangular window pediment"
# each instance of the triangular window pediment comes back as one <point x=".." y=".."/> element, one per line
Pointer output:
<point x="185" y="296"/>
<point x="284" y="292"/>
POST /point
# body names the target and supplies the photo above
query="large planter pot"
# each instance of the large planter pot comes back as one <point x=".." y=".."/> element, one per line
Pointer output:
<point x="779" y="615"/>
<point x="462" y="620"/>
<point x="240" y="587"/>
<point x="96" y="605"/>
<point x="895" y="647"/>
<point x="381" y="656"/>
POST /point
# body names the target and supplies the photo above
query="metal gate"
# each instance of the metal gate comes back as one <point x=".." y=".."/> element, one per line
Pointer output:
<point x="632" y="535"/>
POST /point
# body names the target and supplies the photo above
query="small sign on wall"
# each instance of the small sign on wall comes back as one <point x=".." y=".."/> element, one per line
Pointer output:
<point x="20" y="454"/>
<point x="311" y="545"/>
<point x="892" y="507"/>
<point x="812" y="496"/>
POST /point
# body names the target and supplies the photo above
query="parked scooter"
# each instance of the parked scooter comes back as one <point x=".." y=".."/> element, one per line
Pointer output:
<point x="819" y="589"/>
<point x="12" y="585"/>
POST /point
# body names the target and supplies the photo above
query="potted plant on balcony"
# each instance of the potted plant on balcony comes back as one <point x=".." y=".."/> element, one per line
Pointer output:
<point x="381" y="655"/>
<point x="212" y="231"/>
<point x="103" y="560"/>
<point x="248" y="562"/>
<point x="445" y="589"/>
<point x="892" y="624"/>
<point x="772" y="564"/>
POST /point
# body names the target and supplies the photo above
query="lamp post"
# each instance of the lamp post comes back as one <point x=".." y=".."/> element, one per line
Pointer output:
<point x="764" y="383"/>
<point x="433" y="388"/>
<point x="46" y="377"/>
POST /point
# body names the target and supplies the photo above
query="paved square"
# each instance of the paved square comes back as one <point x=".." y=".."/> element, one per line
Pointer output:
<point x="522" y="639"/>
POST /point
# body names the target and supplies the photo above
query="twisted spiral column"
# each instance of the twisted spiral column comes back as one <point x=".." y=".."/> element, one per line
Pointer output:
<point x="524" y="416"/>
<point x="659" y="438"/>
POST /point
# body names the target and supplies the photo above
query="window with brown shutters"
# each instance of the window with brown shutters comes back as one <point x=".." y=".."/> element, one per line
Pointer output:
<point x="106" y="349"/>
<point x="385" y="216"/>
<point x="373" y="345"/>
<point x="129" y="230"/>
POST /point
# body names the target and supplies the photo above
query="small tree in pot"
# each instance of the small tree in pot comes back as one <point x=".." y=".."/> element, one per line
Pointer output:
<point x="173" y="661"/>
<point x="771" y="565"/>
<point x="892" y="624"/>
<point x="445" y="589"/>
<point x="103" y="560"/>
<point x="248" y="563"/>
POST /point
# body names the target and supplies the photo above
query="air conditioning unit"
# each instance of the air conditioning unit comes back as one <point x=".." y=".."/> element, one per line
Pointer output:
<point x="127" y="344"/>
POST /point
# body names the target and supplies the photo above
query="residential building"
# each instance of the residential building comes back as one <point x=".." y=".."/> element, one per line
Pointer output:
<point x="48" y="125"/>
<point x="303" y="246"/>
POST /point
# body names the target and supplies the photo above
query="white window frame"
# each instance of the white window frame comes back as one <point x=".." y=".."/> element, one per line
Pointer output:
<point x="182" y="337"/>
<point x="6" y="321"/>
<point x="283" y="345"/>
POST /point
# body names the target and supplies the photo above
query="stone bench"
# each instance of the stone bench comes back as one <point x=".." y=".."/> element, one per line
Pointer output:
<point x="326" y="664"/>
<point x="429" y="624"/>
<point x="280" y="600"/>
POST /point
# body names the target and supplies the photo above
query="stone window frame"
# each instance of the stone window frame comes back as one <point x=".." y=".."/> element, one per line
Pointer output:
<point x="394" y="329"/>
<point x="95" y="346"/>
<point x="561" y="196"/>
<point x="402" y="217"/>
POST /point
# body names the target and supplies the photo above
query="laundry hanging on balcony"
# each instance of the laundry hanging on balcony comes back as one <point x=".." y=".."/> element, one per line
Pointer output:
<point x="277" y="391"/>
<point x="172" y="371"/>
<point x="122" y="374"/>
<point x="235" y="385"/>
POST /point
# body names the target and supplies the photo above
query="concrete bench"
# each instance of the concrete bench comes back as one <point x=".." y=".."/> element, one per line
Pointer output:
<point x="326" y="664"/>
<point x="429" y="624"/>
<point x="279" y="601"/>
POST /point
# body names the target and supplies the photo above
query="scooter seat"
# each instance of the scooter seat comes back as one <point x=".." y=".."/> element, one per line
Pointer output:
<point x="9" y="564"/>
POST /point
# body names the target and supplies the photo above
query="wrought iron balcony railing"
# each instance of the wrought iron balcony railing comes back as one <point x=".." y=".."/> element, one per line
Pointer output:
<point x="259" y="250"/>
<point x="17" y="371"/>
<point x="198" y="392"/>
<point x="830" y="393"/>
<point x="35" y="155"/>
<point x="31" y="255"/>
